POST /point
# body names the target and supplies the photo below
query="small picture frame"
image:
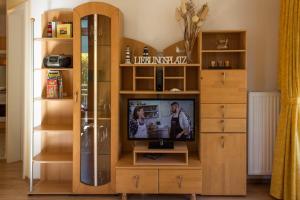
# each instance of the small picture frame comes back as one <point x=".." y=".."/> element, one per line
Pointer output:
<point x="64" y="31"/>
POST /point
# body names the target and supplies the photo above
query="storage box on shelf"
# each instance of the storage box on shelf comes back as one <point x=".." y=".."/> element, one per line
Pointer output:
<point x="223" y="113"/>
<point x="53" y="117"/>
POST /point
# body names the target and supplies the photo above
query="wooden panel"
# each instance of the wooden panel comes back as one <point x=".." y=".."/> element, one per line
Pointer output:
<point x="223" y="125"/>
<point x="136" y="47"/>
<point x="56" y="172"/>
<point x="180" y="181"/>
<point x="223" y="86"/>
<point x="137" y="181"/>
<point x="223" y="159"/>
<point x="223" y="111"/>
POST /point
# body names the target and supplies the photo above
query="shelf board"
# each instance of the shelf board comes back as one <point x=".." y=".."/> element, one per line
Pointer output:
<point x="207" y="69"/>
<point x="58" y="157"/>
<point x="52" y="187"/>
<point x="2" y="52"/>
<point x="54" y="69"/>
<point x="174" y="77"/>
<point x="145" y="78"/>
<point x="99" y="118"/>
<point x="157" y="92"/>
<point x="61" y="128"/>
<point x="224" y="51"/>
<point x="159" y="65"/>
<point x="45" y="99"/>
<point x="54" y="39"/>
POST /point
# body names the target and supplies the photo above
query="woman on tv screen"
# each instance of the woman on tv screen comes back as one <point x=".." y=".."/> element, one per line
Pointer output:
<point x="138" y="128"/>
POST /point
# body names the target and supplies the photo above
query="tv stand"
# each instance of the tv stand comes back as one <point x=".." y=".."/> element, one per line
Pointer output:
<point x="161" y="144"/>
<point x="178" y="155"/>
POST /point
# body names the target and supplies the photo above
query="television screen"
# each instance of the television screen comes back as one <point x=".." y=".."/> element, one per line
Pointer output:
<point x="170" y="119"/>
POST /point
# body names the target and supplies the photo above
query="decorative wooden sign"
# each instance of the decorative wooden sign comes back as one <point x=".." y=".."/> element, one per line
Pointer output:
<point x="160" y="60"/>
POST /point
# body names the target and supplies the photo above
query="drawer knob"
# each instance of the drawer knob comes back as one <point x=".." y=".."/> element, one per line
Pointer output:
<point x="136" y="179"/>
<point x="179" y="181"/>
<point x="224" y="77"/>
<point x="223" y="110"/>
<point x="223" y="125"/>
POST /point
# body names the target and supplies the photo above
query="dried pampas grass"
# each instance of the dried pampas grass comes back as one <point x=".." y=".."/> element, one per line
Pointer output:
<point x="193" y="20"/>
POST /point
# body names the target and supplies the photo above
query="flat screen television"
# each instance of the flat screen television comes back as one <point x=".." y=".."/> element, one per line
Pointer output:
<point x="161" y="119"/>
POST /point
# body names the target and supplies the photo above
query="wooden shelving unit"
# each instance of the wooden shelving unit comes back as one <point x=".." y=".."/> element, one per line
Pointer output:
<point x="53" y="117"/>
<point x="141" y="78"/>
<point x="235" y="54"/>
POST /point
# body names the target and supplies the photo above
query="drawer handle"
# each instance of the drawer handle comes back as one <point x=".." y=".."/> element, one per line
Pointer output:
<point x="136" y="179"/>
<point x="223" y="125"/>
<point x="76" y="96"/>
<point x="222" y="142"/>
<point x="179" y="181"/>
<point x="224" y="77"/>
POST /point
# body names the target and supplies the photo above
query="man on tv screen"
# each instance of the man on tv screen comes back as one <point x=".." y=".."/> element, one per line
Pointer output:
<point x="180" y="123"/>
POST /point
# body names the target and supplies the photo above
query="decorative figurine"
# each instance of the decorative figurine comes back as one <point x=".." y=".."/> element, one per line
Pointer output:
<point x="222" y="44"/>
<point x="127" y="55"/>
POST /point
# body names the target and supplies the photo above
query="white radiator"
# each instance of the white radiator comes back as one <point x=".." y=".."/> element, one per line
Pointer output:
<point x="263" y="118"/>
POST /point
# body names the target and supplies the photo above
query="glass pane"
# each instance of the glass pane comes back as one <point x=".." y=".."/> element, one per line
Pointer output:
<point x="103" y="99"/>
<point x="87" y="101"/>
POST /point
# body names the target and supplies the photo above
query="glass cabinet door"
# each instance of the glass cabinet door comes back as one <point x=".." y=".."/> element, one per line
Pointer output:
<point x="95" y="139"/>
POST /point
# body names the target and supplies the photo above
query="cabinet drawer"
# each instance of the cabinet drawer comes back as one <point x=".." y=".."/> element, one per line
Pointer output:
<point x="223" y="111"/>
<point x="136" y="181"/>
<point x="223" y="125"/>
<point x="223" y="86"/>
<point x="180" y="181"/>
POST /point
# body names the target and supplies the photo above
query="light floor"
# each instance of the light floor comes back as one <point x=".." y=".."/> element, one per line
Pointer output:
<point x="12" y="187"/>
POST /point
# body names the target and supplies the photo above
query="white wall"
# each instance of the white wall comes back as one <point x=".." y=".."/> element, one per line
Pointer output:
<point x="153" y="22"/>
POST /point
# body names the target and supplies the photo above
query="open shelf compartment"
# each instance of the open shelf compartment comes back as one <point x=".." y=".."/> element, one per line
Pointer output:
<point x="176" y="156"/>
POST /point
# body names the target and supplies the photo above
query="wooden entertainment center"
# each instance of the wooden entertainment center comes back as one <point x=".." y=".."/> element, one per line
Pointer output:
<point x="104" y="161"/>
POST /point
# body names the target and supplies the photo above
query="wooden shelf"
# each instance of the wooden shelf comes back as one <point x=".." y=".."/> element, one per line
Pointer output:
<point x="56" y="69"/>
<point x="52" y="187"/>
<point x="145" y="78"/>
<point x="159" y="65"/>
<point x="55" y="128"/>
<point x="61" y="99"/>
<point x="126" y="162"/>
<point x="58" y="157"/>
<point x="2" y="52"/>
<point x="54" y="39"/>
<point x="176" y="156"/>
<point x="173" y="77"/>
<point x="157" y="92"/>
<point x="223" y="51"/>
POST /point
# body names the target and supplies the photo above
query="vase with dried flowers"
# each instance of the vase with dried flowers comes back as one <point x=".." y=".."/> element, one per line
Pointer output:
<point x="193" y="19"/>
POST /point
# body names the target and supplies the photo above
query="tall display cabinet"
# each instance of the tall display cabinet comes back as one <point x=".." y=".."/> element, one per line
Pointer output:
<point x="97" y="37"/>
